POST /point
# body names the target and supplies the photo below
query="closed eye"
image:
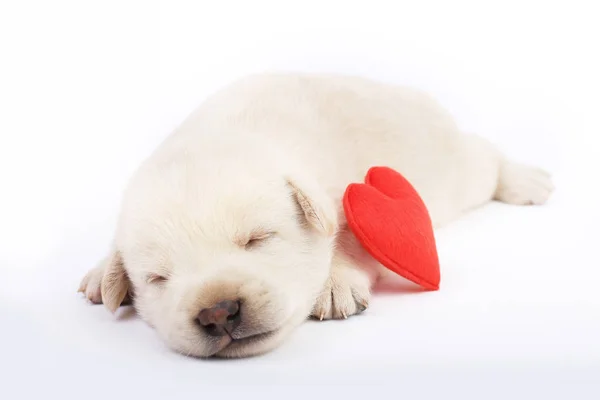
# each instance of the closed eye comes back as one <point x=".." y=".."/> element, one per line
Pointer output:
<point x="156" y="279"/>
<point x="257" y="238"/>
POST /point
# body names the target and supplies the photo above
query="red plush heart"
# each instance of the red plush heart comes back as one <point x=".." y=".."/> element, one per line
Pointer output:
<point x="390" y="220"/>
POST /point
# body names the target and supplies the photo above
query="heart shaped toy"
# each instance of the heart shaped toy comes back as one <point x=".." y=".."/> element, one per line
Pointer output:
<point x="391" y="221"/>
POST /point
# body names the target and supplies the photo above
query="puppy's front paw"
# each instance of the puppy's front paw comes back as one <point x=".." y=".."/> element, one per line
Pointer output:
<point x="90" y="285"/>
<point x="346" y="292"/>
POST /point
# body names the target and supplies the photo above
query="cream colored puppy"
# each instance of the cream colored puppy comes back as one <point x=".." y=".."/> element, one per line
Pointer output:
<point x="232" y="232"/>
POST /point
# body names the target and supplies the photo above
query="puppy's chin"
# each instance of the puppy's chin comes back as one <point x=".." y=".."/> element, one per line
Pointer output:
<point x="260" y="344"/>
<point x="251" y="346"/>
<point x="227" y="347"/>
<point x="199" y="345"/>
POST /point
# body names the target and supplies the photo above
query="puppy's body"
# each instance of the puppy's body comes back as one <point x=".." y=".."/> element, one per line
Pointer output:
<point x="243" y="202"/>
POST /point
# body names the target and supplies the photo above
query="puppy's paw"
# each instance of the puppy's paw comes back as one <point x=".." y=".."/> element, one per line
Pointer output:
<point x="523" y="185"/>
<point x="90" y="285"/>
<point x="346" y="292"/>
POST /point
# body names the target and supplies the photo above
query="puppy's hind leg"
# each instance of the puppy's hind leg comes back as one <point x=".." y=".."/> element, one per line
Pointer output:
<point x="490" y="175"/>
<point x="523" y="185"/>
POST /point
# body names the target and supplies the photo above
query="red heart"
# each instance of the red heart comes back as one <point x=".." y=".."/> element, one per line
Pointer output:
<point x="391" y="221"/>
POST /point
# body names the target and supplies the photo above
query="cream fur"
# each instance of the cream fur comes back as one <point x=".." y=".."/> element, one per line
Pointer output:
<point x="273" y="154"/>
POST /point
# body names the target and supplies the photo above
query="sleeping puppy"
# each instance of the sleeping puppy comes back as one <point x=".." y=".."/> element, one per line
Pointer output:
<point x="232" y="232"/>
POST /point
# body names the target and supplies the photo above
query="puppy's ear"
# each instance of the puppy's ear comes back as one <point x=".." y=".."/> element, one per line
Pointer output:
<point x="318" y="208"/>
<point x="115" y="283"/>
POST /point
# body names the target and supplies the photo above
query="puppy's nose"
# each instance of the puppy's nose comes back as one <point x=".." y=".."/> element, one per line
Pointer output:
<point x="220" y="319"/>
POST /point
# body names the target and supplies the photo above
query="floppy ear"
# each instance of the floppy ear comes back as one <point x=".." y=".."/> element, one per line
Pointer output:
<point x="318" y="208"/>
<point x="115" y="283"/>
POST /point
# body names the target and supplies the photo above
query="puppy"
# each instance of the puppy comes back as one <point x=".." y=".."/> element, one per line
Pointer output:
<point x="232" y="232"/>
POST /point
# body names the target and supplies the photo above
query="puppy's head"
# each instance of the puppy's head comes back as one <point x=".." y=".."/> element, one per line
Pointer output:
<point x="222" y="258"/>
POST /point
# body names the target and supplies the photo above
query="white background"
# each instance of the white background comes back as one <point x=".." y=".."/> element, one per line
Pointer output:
<point x="89" y="88"/>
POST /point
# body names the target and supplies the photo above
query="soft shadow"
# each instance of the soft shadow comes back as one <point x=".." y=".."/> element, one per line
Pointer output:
<point x="126" y="313"/>
<point x="397" y="285"/>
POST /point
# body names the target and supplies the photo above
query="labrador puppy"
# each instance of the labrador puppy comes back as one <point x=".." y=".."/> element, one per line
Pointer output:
<point x="232" y="232"/>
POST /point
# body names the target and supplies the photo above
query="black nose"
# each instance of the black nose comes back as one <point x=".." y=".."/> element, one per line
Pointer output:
<point x="221" y="319"/>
